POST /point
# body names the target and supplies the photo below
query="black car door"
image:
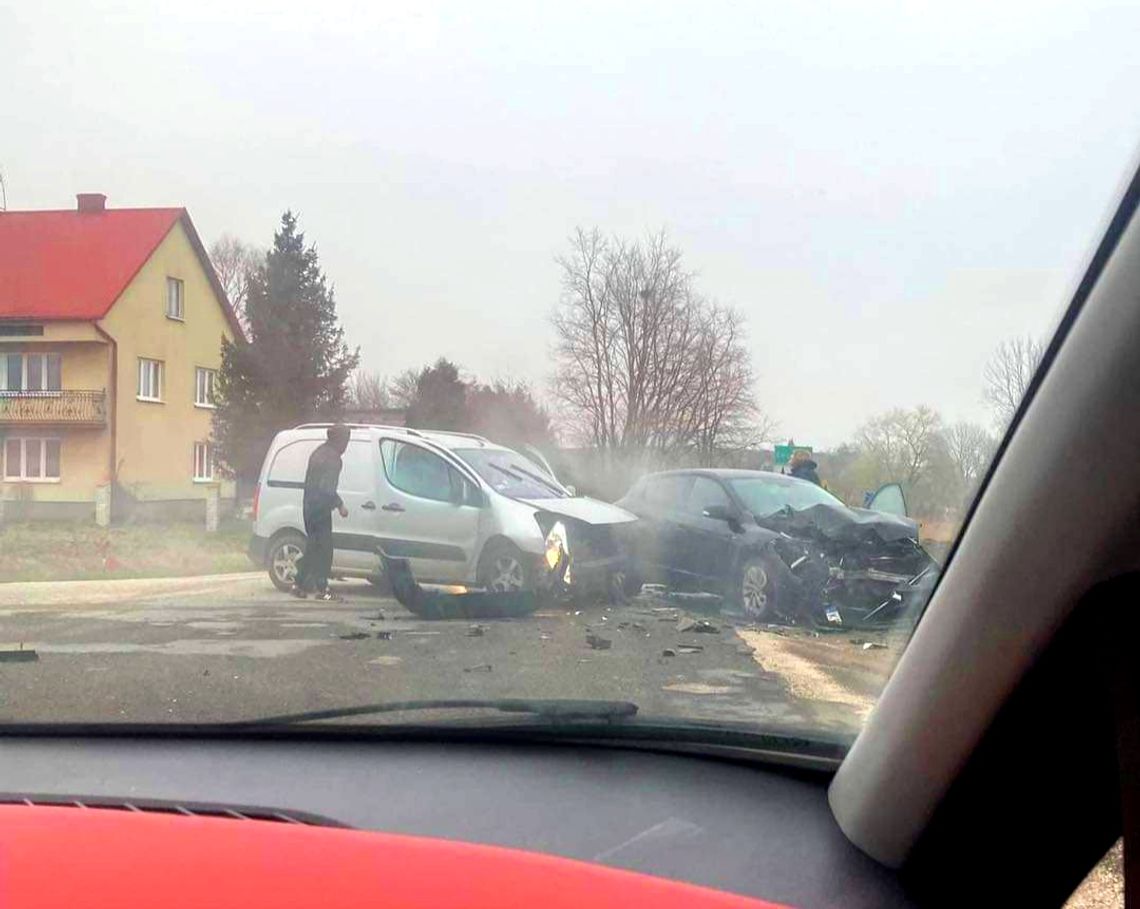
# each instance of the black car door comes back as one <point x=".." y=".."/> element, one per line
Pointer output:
<point x="706" y="545"/>
<point x="659" y="530"/>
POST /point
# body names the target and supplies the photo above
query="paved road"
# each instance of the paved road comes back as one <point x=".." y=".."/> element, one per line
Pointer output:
<point x="232" y="647"/>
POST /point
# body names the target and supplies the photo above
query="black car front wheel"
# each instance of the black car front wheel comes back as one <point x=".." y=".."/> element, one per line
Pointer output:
<point x="755" y="589"/>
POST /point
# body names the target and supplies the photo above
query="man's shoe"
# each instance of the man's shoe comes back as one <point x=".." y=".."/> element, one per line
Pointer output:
<point x="328" y="596"/>
<point x="299" y="593"/>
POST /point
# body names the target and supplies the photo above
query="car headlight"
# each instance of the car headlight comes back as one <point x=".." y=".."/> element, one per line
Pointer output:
<point x="557" y="545"/>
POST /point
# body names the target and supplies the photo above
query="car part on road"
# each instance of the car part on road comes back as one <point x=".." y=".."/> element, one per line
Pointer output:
<point x="428" y="603"/>
<point x="282" y="557"/>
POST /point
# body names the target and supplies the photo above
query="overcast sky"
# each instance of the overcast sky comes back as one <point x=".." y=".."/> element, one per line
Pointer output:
<point x="885" y="189"/>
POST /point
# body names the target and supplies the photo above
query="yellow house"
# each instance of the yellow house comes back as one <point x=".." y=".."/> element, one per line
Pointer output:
<point x="111" y="323"/>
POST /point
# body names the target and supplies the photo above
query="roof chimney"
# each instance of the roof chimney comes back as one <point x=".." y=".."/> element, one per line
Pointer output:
<point x="91" y="202"/>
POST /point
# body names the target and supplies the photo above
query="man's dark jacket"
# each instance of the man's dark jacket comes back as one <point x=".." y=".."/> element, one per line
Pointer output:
<point x="321" y="479"/>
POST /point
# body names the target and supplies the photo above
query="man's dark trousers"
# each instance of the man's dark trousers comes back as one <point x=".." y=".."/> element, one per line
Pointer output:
<point x="314" y="566"/>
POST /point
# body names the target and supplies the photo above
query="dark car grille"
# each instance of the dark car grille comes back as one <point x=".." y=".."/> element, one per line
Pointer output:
<point x="163" y="806"/>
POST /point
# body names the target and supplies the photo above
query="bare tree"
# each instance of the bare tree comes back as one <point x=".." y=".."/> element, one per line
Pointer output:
<point x="902" y="444"/>
<point x="1007" y="375"/>
<point x="970" y="448"/>
<point x="233" y="260"/>
<point x="368" y="391"/>
<point x="644" y="364"/>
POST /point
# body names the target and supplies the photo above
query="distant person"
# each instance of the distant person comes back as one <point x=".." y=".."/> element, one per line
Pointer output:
<point x="804" y="468"/>
<point x="320" y="500"/>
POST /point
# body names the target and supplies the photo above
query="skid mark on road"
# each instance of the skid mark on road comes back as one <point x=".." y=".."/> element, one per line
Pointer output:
<point x="803" y="678"/>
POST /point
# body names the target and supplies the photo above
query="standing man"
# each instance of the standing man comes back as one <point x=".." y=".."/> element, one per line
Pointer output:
<point x="321" y="499"/>
<point x="804" y="468"/>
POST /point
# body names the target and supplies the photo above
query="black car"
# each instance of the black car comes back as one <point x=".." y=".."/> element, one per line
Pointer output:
<point x="778" y="548"/>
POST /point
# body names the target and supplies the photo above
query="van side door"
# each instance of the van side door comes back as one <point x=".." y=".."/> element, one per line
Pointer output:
<point x="428" y="512"/>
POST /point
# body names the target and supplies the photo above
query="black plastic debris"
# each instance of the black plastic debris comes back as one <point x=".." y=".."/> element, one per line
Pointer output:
<point x="596" y="642"/>
<point x="690" y="648"/>
<point x="668" y="652"/>
<point x="19" y="655"/>
<point x="482" y="667"/>
<point x="476" y="631"/>
<point x="353" y="636"/>
<point x="698" y="626"/>
<point x="384" y="635"/>
<point x="440" y="605"/>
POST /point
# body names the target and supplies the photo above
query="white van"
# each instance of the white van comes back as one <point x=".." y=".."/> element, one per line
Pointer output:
<point x="456" y="508"/>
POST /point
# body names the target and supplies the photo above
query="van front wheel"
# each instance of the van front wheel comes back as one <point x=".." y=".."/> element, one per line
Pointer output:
<point x="281" y="560"/>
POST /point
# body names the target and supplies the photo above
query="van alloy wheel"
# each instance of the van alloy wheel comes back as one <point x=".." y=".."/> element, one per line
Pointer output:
<point x="506" y="575"/>
<point x="285" y="558"/>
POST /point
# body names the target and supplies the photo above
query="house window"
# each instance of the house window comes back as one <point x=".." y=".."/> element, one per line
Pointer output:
<point x="175" y="299"/>
<point x="30" y="372"/>
<point x="150" y="380"/>
<point x="203" y="461"/>
<point x="31" y="460"/>
<point x="204" y="386"/>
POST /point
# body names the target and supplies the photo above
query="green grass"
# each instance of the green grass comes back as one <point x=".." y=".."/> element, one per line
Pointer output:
<point x="68" y="552"/>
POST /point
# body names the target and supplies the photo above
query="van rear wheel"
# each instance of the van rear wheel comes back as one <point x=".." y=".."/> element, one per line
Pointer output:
<point x="281" y="560"/>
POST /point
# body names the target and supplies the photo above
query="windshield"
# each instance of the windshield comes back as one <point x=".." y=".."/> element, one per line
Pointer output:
<point x="511" y="474"/>
<point x="425" y="363"/>
<point x="767" y="495"/>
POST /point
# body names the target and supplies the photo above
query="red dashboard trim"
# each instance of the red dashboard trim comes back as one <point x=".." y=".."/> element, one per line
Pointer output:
<point x="92" y="857"/>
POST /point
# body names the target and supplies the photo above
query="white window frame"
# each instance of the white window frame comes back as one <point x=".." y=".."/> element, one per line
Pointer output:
<point x="176" y="302"/>
<point x="23" y="477"/>
<point x="204" y="459"/>
<point x="24" y="358"/>
<point x="205" y="379"/>
<point x="153" y="379"/>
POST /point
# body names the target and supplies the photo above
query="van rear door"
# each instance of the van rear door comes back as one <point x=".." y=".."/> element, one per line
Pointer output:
<point x="353" y="537"/>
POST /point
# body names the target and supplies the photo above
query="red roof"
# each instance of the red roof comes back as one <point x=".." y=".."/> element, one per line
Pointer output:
<point x="74" y="265"/>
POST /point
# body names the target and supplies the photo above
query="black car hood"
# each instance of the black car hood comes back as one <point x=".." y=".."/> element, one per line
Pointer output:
<point x="840" y="524"/>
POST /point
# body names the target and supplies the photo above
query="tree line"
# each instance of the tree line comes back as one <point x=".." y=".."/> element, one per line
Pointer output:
<point x="647" y="372"/>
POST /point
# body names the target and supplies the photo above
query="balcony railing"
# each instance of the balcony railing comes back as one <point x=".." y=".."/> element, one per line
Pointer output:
<point x="72" y="408"/>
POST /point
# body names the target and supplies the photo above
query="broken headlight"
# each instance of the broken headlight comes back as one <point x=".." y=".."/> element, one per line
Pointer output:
<point x="557" y="545"/>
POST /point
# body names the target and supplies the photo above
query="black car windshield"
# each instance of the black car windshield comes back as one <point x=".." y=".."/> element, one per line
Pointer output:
<point x="511" y="474"/>
<point x="767" y="495"/>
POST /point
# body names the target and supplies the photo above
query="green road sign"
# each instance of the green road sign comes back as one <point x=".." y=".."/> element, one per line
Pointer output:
<point x="784" y="453"/>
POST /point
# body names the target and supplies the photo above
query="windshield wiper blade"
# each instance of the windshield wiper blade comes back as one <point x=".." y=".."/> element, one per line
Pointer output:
<point x="549" y="485"/>
<point x="552" y="708"/>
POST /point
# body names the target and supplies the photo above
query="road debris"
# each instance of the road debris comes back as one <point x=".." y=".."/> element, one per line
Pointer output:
<point x="19" y="655"/>
<point x="699" y="688"/>
<point x="668" y="652"/>
<point x="353" y="636"/>
<point x="874" y="645"/>
<point x="384" y="635"/>
<point x="476" y="631"/>
<point x="689" y="648"/>
<point x="596" y="642"/>
<point x="386" y="661"/>
<point x="482" y="667"/>
<point x="697" y="626"/>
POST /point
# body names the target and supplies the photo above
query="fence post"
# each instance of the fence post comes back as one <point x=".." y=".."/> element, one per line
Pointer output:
<point x="103" y="505"/>
<point x="213" y="504"/>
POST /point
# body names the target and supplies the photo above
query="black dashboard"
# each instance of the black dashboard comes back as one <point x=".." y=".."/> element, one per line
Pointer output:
<point x="760" y="831"/>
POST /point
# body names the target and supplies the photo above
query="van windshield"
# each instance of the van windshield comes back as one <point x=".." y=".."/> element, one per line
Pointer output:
<point x="510" y="474"/>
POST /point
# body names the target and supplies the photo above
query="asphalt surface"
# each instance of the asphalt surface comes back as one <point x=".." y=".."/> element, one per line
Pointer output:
<point x="234" y="648"/>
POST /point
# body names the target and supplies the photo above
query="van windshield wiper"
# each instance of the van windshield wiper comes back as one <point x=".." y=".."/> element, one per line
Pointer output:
<point x="552" y="708"/>
<point x="551" y="486"/>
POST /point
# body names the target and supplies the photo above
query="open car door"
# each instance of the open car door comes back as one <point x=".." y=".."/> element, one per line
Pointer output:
<point x="888" y="499"/>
